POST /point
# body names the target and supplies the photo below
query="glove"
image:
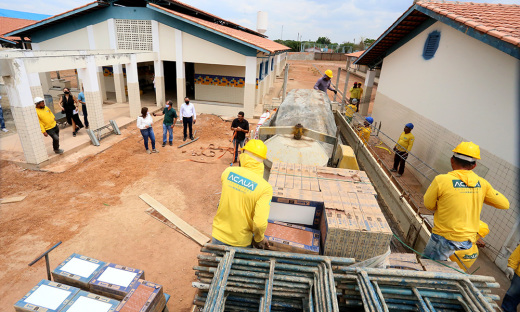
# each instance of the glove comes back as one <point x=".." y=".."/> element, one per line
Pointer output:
<point x="510" y="273"/>
<point x="335" y="92"/>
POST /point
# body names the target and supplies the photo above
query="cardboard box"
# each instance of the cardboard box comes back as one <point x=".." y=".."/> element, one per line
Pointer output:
<point x="297" y="206"/>
<point x="77" y="271"/>
<point x="143" y="297"/>
<point x="115" y="281"/>
<point x="46" y="296"/>
<point x="292" y="238"/>
<point x="85" y="301"/>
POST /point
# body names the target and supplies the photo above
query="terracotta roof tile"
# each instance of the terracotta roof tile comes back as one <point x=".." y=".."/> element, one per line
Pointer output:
<point x="7" y="24"/>
<point x="355" y="54"/>
<point x="497" y="20"/>
<point x="257" y="41"/>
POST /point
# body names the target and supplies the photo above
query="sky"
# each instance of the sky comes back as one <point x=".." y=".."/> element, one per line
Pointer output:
<point x="339" y="20"/>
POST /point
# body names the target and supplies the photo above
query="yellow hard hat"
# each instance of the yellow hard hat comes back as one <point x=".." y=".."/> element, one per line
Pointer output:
<point x="469" y="149"/>
<point x="256" y="147"/>
<point x="483" y="229"/>
<point x="328" y="72"/>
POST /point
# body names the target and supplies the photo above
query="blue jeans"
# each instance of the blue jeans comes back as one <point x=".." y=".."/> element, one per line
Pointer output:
<point x="237" y="144"/>
<point x="167" y="129"/>
<point x="440" y="248"/>
<point x="2" y="123"/>
<point x="512" y="297"/>
<point x="217" y="242"/>
<point x="148" y="133"/>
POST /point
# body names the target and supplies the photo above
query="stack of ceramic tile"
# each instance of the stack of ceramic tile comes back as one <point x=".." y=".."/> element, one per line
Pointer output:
<point x="143" y="297"/>
<point x="85" y="301"/>
<point x="115" y="281"/>
<point x="46" y="296"/>
<point x="292" y="238"/>
<point x="77" y="270"/>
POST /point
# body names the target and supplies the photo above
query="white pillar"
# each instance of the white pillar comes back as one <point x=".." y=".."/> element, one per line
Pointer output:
<point x="272" y="72"/>
<point x="367" y="94"/>
<point x="111" y="24"/>
<point x="158" y="66"/>
<point x="134" y="96"/>
<point x="24" y="114"/>
<point x="93" y="97"/>
<point x="180" y="70"/>
<point x="101" y="79"/>
<point x="250" y="86"/>
<point x="45" y="79"/>
<point x="119" y="83"/>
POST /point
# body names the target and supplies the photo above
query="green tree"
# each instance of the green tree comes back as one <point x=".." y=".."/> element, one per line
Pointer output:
<point x="368" y="42"/>
<point x="323" y="40"/>
<point x="293" y="44"/>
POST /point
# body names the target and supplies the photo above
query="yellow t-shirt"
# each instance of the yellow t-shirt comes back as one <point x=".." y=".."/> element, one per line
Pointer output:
<point x="364" y="134"/>
<point x="46" y="118"/>
<point x="350" y="110"/>
<point x="406" y="141"/>
<point x="514" y="260"/>
<point x="244" y="204"/>
<point x="457" y="198"/>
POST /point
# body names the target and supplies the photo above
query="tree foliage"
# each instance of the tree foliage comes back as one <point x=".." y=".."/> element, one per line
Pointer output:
<point x="323" y="40"/>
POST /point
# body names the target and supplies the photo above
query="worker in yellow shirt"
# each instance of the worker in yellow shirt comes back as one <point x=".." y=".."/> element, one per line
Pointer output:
<point x="243" y="210"/>
<point x="364" y="131"/>
<point x="457" y="198"/>
<point x="402" y="148"/>
<point x="48" y="124"/>
<point x="512" y="298"/>
<point x="350" y="110"/>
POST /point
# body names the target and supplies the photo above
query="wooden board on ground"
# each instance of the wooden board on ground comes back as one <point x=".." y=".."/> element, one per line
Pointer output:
<point x="182" y="225"/>
<point x="159" y="217"/>
<point x="12" y="199"/>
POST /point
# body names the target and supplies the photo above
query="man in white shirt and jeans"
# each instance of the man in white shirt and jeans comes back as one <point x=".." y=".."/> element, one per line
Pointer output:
<point x="188" y="116"/>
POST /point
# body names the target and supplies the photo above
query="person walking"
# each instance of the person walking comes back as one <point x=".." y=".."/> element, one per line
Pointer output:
<point x="365" y="131"/>
<point x="240" y="127"/>
<point x="2" y="122"/>
<point x="188" y="116"/>
<point x="48" y="124"/>
<point x="69" y="105"/>
<point x="323" y="83"/>
<point x="245" y="201"/>
<point x="81" y="100"/>
<point x="512" y="297"/>
<point x="456" y="199"/>
<point x="402" y="148"/>
<point x="170" y="118"/>
<point x="145" y="125"/>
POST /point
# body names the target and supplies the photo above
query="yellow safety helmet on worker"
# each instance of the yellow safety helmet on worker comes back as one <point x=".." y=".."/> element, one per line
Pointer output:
<point x="257" y="148"/>
<point x="468" y="151"/>
<point x="328" y="72"/>
<point x="466" y="258"/>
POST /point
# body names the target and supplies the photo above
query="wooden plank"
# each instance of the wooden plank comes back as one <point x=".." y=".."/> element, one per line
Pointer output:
<point x="12" y="199"/>
<point x="193" y="233"/>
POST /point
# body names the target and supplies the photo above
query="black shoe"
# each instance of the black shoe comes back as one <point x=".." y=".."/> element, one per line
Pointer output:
<point x="191" y="138"/>
<point x="184" y="139"/>
<point x="171" y="143"/>
<point x="163" y="144"/>
<point x="58" y="151"/>
<point x="74" y="134"/>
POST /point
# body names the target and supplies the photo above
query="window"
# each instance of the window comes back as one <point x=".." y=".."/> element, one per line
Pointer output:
<point x="431" y="45"/>
<point x="272" y="64"/>
<point x="266" y="67"/>
<point x="260" y="74"/>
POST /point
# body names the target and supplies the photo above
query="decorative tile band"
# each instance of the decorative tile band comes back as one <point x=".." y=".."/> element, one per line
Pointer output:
<point x="219" y="80"/>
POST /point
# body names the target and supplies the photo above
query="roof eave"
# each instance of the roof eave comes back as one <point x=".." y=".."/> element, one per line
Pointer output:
<point x="8" y="41"/>
<point x="161" y="10"/>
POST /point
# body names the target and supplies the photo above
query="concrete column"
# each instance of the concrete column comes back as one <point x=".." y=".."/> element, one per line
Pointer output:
<point x="346" y="82"/>
<point x="101" y="80"/>
<point x="272" y="72"/>
<point x="20" y="96"/>
<point x="119" y="83"/>
<point x="45" y="79"/>
<point x="180" y="70"/>
<point x="250" y="86"/>
<point x="36" y="86"/>
<point x="160" y="92"/>
<point x="134" y="96"/>
<point x="93" y="97"/>
<point x="369" y="84"/>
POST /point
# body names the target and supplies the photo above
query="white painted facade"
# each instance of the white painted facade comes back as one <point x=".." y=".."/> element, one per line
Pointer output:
<point x="467" y="91"/>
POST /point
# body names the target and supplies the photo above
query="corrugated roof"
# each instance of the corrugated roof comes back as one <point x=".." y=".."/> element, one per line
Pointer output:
<point x="260" y="42"/>
<point x="8" y="24"/>
<point x="495" y="24"/>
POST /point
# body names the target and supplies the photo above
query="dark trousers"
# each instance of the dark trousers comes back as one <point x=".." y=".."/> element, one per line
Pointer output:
<point x="85" y="119"/>
<point x="187" y="122"/>
<point x="237" y="144"/>
<point x="512" y="297"/>
<point x="54" y="133"/>
<point x="400" y="161"/>
<point x="148" y="133"/>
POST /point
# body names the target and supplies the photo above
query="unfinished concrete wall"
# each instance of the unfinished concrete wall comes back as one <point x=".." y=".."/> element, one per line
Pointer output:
<point x="219" y="83"/>
<point x="446" y="98"/>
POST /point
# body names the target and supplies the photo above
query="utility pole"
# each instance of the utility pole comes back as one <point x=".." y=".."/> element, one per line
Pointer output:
<point x="281" y="36"/>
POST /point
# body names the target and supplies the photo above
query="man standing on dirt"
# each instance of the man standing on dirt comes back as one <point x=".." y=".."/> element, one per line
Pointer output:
<point x="240" y="126"/>
<point x="170" y="118"/>
<point x="241" y="218"/>
<point x="188" y="116"/>
<point x="324" y="82"/>
<point x="48" y="124"/>
<point x="457" y="198"/>
<point x="401" y="149"/>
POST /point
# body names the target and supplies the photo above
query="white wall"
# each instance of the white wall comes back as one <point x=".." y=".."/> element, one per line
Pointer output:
<point x="467" y="91"/>
<point x="197" y="50"/>
<point x="76" y="40"/>
<point x="101" y="37"/>
<point x="167" y="42"/>
<point x="215" y="93"/>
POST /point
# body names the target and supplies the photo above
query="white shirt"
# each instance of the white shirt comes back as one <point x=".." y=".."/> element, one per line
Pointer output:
<point x="143" y="122"/>
<point x="188" y="111"/>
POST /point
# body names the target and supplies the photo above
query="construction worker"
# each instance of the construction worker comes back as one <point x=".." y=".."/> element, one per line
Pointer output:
<point x="324" y="82"/>
<point x="48" y="124"/>
<point x="402" y="148"/>
<point x="355" y="94"/>
<point x="241" y="218"/>
<point x="457" y="198"/>
<point x="466" y="258"/>
<point x="350" y="110"/>
<point x="512" y="298"/>
<point x="364" y="131"/>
